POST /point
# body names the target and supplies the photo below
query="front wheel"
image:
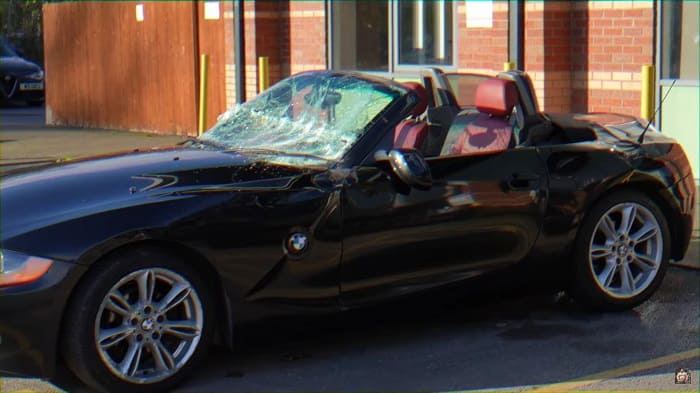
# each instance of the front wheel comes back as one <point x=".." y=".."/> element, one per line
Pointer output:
<point x="622" y="252"/>
<point x="139" y="322"/>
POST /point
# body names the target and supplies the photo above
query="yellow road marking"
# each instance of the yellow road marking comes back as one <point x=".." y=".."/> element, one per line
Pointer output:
<point x="617" y="372"/>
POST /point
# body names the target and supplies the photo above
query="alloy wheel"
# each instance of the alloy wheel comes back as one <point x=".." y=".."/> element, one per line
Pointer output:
<point x="148" y="325"/>
<point x="626" y="250"/>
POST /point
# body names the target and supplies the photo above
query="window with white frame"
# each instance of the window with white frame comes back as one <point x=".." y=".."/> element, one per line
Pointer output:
<point x="424" y="32"/>
<point x="680" y="39"/>
<point x="382" y="36"/>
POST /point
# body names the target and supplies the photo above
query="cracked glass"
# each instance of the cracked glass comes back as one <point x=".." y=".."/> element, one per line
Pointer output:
<point x="316" y="115"/>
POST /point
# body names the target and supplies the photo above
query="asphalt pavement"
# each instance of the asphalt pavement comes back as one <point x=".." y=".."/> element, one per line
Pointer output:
<point x="25" y="140"/>
<point x="490" y="340"/>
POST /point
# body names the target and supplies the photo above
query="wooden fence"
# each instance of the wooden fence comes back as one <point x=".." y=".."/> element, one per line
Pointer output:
<point x="106" y="69"/>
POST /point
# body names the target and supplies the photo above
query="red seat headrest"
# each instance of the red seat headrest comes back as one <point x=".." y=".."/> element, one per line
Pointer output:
<point x="422" y="95"/>
<point x="496" y="97"/>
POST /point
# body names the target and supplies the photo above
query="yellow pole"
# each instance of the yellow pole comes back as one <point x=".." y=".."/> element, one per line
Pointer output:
<point x="647" y="109"/>
<point x="263" y="73"/>
<point x="203" y="82"/>
<point x="508" y="66"/>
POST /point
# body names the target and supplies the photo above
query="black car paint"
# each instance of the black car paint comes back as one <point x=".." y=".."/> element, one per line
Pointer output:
<point x="15" y="70"/>
<point x="217" y="204"/>
<point x="231" y="213"/>
<point x="456" y="229"/>
<point x="29" y="329"/>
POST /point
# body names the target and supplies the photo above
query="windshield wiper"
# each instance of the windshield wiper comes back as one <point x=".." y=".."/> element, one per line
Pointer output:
<point x="277" y="153"/>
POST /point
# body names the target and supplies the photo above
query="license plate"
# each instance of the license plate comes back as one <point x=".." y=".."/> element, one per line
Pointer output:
<point x="31" y="86"/>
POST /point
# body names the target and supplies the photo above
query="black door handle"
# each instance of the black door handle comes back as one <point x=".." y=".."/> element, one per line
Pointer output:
<point x="524" y="180"/>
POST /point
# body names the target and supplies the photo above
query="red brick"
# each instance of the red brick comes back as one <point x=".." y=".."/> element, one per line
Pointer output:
<point x="636" y="13"/>
<point x="625" y="22"/>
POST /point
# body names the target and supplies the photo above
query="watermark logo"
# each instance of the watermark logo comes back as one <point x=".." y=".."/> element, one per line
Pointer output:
<point x="683" y="376"/>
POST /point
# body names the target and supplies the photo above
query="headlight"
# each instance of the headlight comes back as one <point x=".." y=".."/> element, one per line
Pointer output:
<point x="39" y="75"/>
<point x="16" y="268"/>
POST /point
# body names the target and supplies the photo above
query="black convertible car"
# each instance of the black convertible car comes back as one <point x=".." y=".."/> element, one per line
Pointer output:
<point x="331" y="190"/>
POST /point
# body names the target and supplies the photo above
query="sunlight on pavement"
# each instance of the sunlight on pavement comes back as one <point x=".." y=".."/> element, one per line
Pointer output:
<point x="612" y="381"/>
<point x="27" y="385"/>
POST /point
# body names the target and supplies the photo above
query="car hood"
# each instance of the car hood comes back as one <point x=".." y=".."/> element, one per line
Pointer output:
<point x="37" y="198"/>
<point x="17" y="66"/>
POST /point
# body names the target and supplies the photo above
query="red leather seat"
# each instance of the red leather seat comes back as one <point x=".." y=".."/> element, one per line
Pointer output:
<point x="489" y="130"/>
<point x="411" y="133"/>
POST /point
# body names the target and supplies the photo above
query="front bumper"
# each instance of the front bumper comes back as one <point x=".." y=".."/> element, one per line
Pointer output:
<point x="30" y="321"/>
<point x="21" y="88"/>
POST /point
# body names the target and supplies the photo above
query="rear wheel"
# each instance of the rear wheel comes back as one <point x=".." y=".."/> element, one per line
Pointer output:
<point x="621" y="252"/>
<point x="139" y="322"/>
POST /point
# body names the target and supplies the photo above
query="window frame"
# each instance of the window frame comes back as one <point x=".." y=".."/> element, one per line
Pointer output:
<point x="395" y="69"/>
<point x="663" y="52"/>
<point x="394" y="48"/>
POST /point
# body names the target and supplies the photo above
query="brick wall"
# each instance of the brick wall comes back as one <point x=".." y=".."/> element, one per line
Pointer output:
<point x="587" y="56"/>
<point x="229" y="54"/>
<point x="307" y="36"/>
<point x="582" y="56"/>
<point x="291" y="34"/>
<point x="547" y="53"/>
<point x="483" y="49"/>
<point x="612" y="40"/>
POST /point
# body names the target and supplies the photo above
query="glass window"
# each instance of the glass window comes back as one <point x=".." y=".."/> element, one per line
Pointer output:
<point x="361" y="35"/>
<point x="425" y="32"/>
<point x="464" y="87"/>
<point x="680" y="40"/>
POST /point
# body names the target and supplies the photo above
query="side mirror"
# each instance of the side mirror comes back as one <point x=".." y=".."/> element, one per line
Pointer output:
<point x="409" y="166"/>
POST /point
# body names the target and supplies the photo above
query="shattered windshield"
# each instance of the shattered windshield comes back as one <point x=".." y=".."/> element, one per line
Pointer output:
<point x="312" y="115"/>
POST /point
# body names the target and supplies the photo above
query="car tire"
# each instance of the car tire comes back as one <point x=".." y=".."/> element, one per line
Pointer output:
<point x="621" y="253"/>
<point x="139" y="321"/>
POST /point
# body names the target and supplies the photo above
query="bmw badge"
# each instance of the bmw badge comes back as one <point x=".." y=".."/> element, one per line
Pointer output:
<point x="297" y="243"/>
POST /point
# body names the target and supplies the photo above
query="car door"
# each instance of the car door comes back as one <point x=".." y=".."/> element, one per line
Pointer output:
<point x="482" y="212"/>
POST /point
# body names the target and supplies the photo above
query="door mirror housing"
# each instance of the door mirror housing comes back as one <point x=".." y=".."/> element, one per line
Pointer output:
<point x="409" y="166"/>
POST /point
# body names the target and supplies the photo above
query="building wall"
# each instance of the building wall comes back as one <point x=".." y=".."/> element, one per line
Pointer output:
<point x="482" y="48"/>
<point x="292" y="35"/>
<point x="547" y="53"/>
<point x="611" y="41"/>
<point x="229" y="55"/>
<point x="307" y="36"/>
<point x="588" y="56"/>
<point x="583" y="56"/>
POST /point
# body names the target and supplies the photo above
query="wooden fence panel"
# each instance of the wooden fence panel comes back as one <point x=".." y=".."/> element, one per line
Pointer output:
<point x="212" y="43"/>
<point x="106" y="69"/>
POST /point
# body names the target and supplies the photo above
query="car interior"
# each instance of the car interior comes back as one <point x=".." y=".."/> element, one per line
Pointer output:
<point x="490" y="129"/>
<point x="503" y="114"/>
<point x="412" y="132"/>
